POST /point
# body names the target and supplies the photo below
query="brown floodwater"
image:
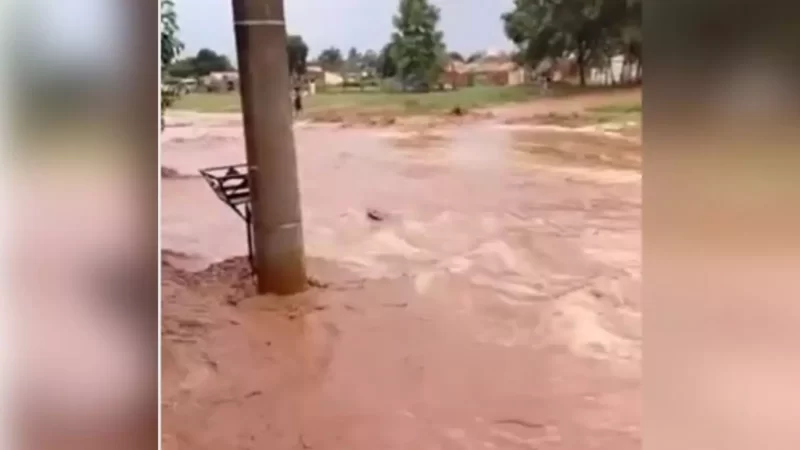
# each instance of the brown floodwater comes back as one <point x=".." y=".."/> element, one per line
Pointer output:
<point x="496" y="306"/>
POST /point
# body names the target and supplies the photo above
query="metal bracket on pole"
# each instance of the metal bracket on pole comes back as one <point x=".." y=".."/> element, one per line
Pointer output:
<point x="232" y="186"/>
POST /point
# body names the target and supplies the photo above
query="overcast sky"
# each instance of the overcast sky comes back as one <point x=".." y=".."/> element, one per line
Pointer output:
<point x="468" y="25"/>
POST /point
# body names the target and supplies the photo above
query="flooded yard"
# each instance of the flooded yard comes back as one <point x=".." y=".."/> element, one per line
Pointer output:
<point x="496" y="306"/>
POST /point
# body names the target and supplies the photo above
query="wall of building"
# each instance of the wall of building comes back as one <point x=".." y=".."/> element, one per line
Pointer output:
<point x="517" y="77"/>
<point x="495" y="78"/>
<point x="616" y="72"/>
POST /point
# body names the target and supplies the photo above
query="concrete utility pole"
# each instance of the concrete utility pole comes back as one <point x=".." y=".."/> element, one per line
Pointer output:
<point x="265" y="91"/>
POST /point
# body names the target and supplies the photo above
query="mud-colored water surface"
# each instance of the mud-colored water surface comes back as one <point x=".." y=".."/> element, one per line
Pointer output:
<point x="496" y="305"/>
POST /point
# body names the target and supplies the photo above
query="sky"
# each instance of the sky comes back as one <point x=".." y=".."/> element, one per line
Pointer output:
<point x="468" y="25"/>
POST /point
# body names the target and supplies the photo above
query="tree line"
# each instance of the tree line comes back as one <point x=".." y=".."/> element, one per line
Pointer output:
<point x="415" y="54"/>
<point x="591" y="31"/>
<point x="207" y="61"/>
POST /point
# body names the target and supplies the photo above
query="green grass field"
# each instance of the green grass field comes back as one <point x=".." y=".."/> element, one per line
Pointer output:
<point x="374" y="101"/>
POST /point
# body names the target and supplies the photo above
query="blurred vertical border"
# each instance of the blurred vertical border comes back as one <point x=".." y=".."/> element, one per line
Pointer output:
<point x="721" y="247"/>
<point x="84" y="256"/>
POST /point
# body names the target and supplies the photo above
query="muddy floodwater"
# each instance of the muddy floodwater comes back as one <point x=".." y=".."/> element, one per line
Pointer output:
<point x="495" y="306"/>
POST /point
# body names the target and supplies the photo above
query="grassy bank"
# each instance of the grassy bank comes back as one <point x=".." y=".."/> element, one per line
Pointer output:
<point x="374" y="102"/>
<point x="622" y="112"/>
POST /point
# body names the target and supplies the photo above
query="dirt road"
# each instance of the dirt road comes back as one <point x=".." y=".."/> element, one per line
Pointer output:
<point x="495" y="307"/>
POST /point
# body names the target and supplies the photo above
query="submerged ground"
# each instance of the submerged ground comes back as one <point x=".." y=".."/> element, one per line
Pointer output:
<point x="496" y="306"/>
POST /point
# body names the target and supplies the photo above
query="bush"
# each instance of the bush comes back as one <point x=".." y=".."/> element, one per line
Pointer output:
<point x="169" y="95"/>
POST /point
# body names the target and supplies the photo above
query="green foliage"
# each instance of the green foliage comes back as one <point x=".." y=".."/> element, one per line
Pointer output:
<point x="168" y="96"/>
<point x="417" y="46"/>
<point x="171" y="46"/>
<point x="331" y="59"/>
<point x="202" y="64"/>
<point x="455" y="56"/>
<point x="590" y="30"/>
<point x="353" y="62"/>
<point x="632" y="29"/>
<point x="182" y="68"/>
<point x="356" y="62"/>
<point x="353" y="54"/>
<point x="475" y="57"/>
<point x="369" y="61"/>
<point x="207" y="61"/>
<point x="297" y="52"/>
<point x="387" y="68"/>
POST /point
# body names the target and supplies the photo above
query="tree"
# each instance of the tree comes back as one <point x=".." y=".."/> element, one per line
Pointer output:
<point x="207" y="61"/>
<point x="386" y="66"/>
<point x="202" y="64"/>
<point x="455" y="56"/>
<point x="183" y="68"/>
<point x="534" y="28"/>
<point x="171" y="46"/>
<point x="369" y="61"/>
<point x="618" y="31"/>
<point x="632" y="34"/>
<point x="475" y="57"/>
<point x="418" y="48"/>
<point x="331" y="59"/>
<point x="353" y="63"/>
<point x="297" y="51"/>
<point x="353" y="54"/>
<point x="589" y="30"/>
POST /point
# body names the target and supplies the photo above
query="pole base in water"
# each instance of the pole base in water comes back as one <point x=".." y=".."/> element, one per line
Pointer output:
<point x="280" y="263"/>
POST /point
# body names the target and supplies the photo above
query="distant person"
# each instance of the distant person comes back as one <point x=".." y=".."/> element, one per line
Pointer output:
<point x="545" y="80"/>
<point x="298" y="101"/>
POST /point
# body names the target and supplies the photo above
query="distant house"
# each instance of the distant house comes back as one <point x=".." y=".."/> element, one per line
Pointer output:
<point x="455" y="75"/>
<point x="566" y="69"/>
<point x="315" y="74"/>
<point x="492" y="69"/>
<point x="221" y="81"/>
<point x="321" y="78"/>
<point x="188" y="85"/>
<point x="497" y="73"/>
